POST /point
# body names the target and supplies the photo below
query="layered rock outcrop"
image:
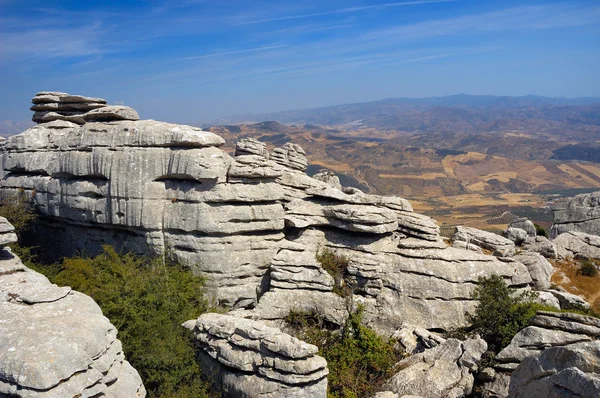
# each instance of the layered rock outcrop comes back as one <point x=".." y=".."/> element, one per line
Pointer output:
<point x="549" y="329"/>
<point x="570" y="371"/>
<point x="580" y="213"/>
<point x="246" y="358"/>
<point x="251" y="224"/>
<point x="54" y="341"/>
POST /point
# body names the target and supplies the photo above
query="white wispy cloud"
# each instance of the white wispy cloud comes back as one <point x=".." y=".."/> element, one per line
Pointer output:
<point x="342" y="11"/>
<point x="225" y="53"/>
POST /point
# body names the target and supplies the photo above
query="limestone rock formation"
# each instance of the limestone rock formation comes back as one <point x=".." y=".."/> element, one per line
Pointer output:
<point x="525" y="225"/>
<point x="540" y="244"/>
<point x="549" y="329"/>
<point x="517" y="235"/>
<point x="54" y="341"/>
<point x="486" y="240"/>
<point x="569" y="371"/>
<point x="443" y="371"/>
<point x="246" y="358"/>
<point x="251" y="224"/>
<point x="577" y="245"/>
<point x="578" y="214"/>
<point x="539" y="268"/>
<point x="50" y="106"/>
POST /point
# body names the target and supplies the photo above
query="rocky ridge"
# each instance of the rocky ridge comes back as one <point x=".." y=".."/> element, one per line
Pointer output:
<point x="251" y="224"/>
<point x="54" y="341"/>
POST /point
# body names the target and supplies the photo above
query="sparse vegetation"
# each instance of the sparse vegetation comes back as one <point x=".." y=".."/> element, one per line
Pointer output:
<point x="17" y="209"/>
<point x="568" y="275"/>
<point x="359" y="360"/>
<point x="336" y="266"/>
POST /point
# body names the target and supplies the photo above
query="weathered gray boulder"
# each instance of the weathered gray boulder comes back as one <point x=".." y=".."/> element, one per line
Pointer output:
<point x="7" y="233"/>
<point x="570" y="371"/>
<point x="467" y="246"/>
<point x="486" y="240"/>
<point x="415" y="339"/>
<point x="549" y="329"/>
<point x="516" y="235"/>
<point x="55" y="342"/>
<point x="577" y="245"/>
<point x="328" y="178"/>
<point x="539" y="244"/>
<point x="111" y="113"/>
<point x="568" y="300"/>
<point x="578" y="214"/>
<point x="443" y="371"/>
<point x="251" y="146"/>
<point x="539" y="268"/>
<point x="525" y="225"/>
<point x="246" y="358"/>
<point x="291" y="156"/>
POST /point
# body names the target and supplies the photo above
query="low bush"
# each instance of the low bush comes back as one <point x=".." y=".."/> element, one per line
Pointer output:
<point x="336" y="266"/>
<point x="587" y="268"/>
<point x="147" y="301"/>
<point x="359" y="360"/>
<point x="540" y="231"/>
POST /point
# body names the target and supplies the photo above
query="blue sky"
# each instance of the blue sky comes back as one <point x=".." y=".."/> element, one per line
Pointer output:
<point x="198" y="60"/>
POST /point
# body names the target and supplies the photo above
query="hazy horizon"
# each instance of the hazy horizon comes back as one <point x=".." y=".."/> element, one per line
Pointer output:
<point x="201" y="60"/>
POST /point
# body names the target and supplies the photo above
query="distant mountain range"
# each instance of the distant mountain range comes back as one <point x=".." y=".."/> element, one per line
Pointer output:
<point x="10" y="127"/>
<point x="460" y="113"/>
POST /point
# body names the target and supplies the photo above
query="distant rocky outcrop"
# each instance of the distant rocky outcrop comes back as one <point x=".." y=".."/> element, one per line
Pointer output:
<point x="577" y="214"/>
<point x="54" y="341"/>
<point x="251" y="223"/>
<point x="501" y="246"/>
<point x="246" y="358"/>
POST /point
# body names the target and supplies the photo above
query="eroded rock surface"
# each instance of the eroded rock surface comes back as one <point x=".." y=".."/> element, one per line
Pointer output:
<point x="486" y="240"/>
<point x="249" y="359"/>
<point x="578" y="245"/>
<point x="549" y="329"/>
<point x="54" y="341"/>
<point x="572" y="372"/>
<point x="443" y="371"/>
<point x="578" y="214"/>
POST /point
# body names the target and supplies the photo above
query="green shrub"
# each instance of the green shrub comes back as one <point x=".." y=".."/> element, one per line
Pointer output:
<point x="336" y="266"/>
<point x="147" y="301"/>
<point x="500" y="314"/>
<point x="16" y="208"/>
<point x="540" y="231"/>
<point x="359" y="360"/>
<point x="587" y="268"/>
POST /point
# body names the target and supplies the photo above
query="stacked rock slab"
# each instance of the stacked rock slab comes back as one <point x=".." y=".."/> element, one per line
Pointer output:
<point x="50" y="106"/>
<point x="486" y="240"/>
<point x="54" y="341"/>
<point x="246" y="358"/>
<point x="549" y="329"/>
<point x="579" y="214"/>
<point x="251" y="224"/>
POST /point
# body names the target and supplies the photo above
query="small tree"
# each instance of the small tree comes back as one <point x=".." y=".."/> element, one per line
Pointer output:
<point x="500" y="313"/>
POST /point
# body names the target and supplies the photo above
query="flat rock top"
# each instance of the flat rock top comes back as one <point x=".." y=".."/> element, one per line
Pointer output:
<point x="56" y="96"/>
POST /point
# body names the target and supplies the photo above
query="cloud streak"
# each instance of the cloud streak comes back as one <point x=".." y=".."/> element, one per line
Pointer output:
<point x="343" y="11"/>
